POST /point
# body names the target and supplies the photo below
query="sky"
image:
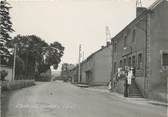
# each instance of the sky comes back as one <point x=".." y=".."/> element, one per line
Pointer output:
<point x="73" y="22"/>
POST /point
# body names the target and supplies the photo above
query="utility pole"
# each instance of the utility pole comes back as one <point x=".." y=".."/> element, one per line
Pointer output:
<point x="14" y="62"/>
<point x="83" y="56"/>
<point x="79" y="64"/>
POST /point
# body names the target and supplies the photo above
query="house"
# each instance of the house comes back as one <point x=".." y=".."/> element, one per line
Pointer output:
<point x="96" y="69"/>
<point x="65" y="71"/>
<point x="143" y="44"/>
<point x="73" y="74"/>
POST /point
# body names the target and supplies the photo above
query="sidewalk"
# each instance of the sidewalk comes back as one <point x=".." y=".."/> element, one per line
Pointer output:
<point x="104" y="89"/>
<point x="82" y="85"/>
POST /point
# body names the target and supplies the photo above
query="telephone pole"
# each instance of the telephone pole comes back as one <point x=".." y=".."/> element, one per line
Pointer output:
<point x="79" y="69"/>
<point x="14" y="63"/>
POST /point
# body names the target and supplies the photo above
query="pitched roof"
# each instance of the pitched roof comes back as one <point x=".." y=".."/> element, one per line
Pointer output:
<point x="156" y="3"/>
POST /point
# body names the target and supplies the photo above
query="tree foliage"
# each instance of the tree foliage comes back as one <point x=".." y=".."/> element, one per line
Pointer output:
<point x="36" y="53"/>
<point x="54" y="53"/>
<point x="20" y="66"/>
<point x="5" y="26"/>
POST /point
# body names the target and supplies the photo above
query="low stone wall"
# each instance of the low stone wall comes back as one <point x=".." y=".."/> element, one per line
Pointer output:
<point x="16" y="84"/>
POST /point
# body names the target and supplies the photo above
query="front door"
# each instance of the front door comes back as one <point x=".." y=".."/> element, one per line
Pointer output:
<point x="88" y="76"/>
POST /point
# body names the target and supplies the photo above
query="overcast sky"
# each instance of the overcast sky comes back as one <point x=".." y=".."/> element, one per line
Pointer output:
<point x="73" y="22"/>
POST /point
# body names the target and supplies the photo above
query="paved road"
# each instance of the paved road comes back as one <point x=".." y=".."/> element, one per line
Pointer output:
<point x="58" y="99"/>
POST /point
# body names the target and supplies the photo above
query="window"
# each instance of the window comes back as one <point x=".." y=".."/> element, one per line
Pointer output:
<point x="129" y="61"/>
<point x="134" y="35"/>
<point x="115" y="46"/>
<point x="134" y="61"/>
<point x="125" y="41"/>
<point x="164" y="59"/>
<point x="140" y="61"/>
<point x="125" y="62"/>
<point x="121" y="64"/>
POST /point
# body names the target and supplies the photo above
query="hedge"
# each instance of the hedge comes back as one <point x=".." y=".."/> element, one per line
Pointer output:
<point x="16" y="84"/>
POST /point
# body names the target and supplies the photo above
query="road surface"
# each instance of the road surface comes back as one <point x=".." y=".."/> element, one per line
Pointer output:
<point x="58" y="99"/>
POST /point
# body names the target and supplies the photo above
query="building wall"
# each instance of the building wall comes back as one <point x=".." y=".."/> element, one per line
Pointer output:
<point x="159" y="43"/>
<point x="96" y="69"/>
<point x="131" y="48"/>
<point x="83" y="72"/>
<point x="103" y="66"/>
<point x="151" y="36"/>
<point x="136" y="30"/>
<point x="9" y="70"/>
<point x="87" y="66"/>
<point x="74" y="75"/>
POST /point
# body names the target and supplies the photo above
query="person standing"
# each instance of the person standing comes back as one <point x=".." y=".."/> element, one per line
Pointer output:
<point x="129" y="79"/>
<point x="109" y="85"/>
<point x="126" y="82"/>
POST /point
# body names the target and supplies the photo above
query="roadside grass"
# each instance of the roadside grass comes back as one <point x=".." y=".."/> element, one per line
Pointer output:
<point x="7" y="88"/>
<point x="5" y="95"/>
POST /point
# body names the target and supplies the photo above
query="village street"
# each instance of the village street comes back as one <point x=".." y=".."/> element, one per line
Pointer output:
<point x="59" y="99"/>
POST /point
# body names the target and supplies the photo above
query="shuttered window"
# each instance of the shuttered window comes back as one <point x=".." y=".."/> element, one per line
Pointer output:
<point x="140" y="61"/>
<point x="165" y="59"/>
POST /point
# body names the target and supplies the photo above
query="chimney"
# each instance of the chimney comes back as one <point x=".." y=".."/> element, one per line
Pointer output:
<point x="108" y="43"/>
<point x="140" y="10"/>
<point x="102" y="47"/>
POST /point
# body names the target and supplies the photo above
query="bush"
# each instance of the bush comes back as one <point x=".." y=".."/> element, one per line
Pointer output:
<point x="43" y="77"/>
<point x="3" y="74"/>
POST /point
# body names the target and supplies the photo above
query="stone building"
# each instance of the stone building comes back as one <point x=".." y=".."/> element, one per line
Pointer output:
<point x="96" y="69"/>
<point x="143" y="44"/>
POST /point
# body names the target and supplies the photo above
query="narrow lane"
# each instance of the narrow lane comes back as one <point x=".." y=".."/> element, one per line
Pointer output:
<point x="58" y="99"/>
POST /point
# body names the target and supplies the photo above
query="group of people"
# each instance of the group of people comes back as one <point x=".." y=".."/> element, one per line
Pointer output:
<point x="128" y="73"/>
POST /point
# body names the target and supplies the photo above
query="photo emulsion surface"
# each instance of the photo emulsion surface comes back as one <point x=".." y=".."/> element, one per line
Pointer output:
<point x="83" y="58"/>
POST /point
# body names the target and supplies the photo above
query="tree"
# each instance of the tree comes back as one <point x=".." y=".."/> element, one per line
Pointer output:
<point x="36" y="53"/>
<point x="29" y="48"/>
<point x="20" y="66"/>
<point x="54" y="53"/>
<point x="5" y="27"/>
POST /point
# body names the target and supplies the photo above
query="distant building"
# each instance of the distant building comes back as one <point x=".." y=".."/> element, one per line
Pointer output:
<point x="143" y="44"/>
<point x="74" y="74"/>
<point x="65" y="71"/>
